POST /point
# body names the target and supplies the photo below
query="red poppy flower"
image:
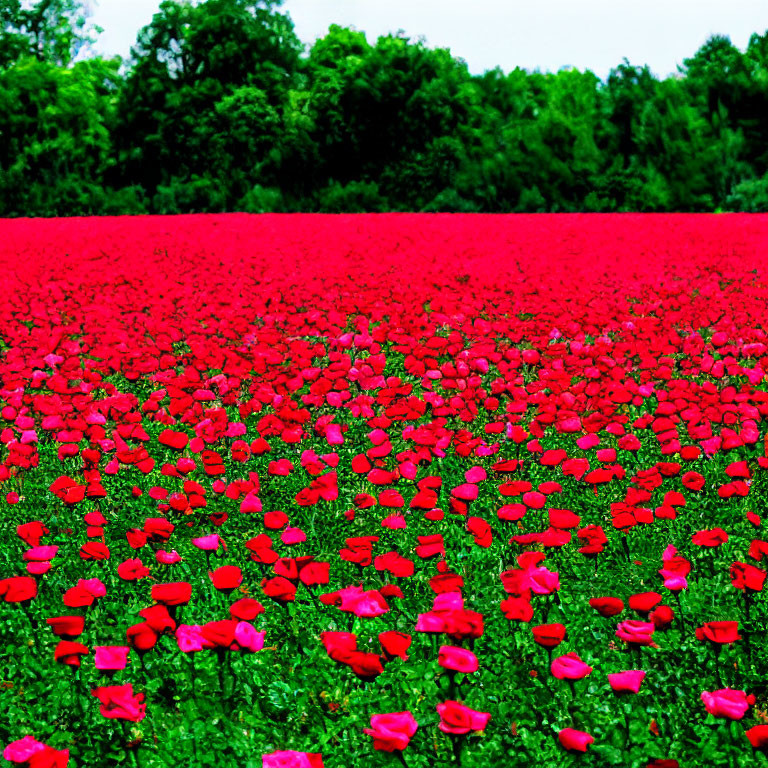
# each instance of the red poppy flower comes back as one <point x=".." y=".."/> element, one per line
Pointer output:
<point x="607" y="606"/>
<point x="177" y="593"/>
<point x="18" y="589"/>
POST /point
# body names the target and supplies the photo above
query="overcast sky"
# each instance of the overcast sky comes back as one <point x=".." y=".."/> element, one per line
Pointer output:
<point x="544" y="34"/>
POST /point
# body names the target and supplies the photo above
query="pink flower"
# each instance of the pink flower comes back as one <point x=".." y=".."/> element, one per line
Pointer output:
<point x="118" y="702"/>
<point x="727" y="702"/>
<point x="458" y="719"/>
<point x="208" y="543"/>
<point x="110" y="656"/>
<point x="457" y="659"/>
<point x="38" y="568"/>
<point x="365" y="604"/>
<point x="575" y="741"/>
<point x="290" y="759"/>
<point x="23" y="750"/>
<point x="637" y="632"/>
<point x="293" y="536"/>
<point x="41" y="554"/>
<point x="431" y="622"/>
<point x="629" y="681"/>
<point x="392" y="731"/>
<point x="570" y="667"/>
<point x="475" y="475"/>
<point x="190" y="638"/>
<point x="251" y="504"/>
<point x="28" y="751"/>
<point x="465" y="492"/>
<point x="448" y="601"/>
<point x="542" y="581"/>
<point x="94" y="586"/>
<point x="167" y="558"/>
<point x="333" y="434"/>
<point x="248" y="638"/>
<point x="673" y="581"/>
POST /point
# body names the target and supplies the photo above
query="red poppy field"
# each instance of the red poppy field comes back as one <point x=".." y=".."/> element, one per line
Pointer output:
<point x="433" y="490"/>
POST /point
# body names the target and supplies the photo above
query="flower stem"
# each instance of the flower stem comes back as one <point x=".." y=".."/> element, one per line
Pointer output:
<point x="398" y="753"/>
<point x="457" y="749"/>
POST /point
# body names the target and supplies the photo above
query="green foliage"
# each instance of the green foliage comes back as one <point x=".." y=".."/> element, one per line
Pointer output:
<point x="354" y="197"/>
<point x="56" y="126"/>
<point x="202" y="106"/>
<point x="218" y="110"/>
<point x="750" y="196"/>
<point x="50" y="30"/>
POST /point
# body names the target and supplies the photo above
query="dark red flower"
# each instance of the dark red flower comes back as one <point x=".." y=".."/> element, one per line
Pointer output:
<point x="280" y="589"/>
<point x="227" y="577"/>
<point x="644" y="602"/>
<point x="747" y="577"/>
<point x="549" y="635"/>
<point x="142" y="637"/>
<point x="176" y="593"/>
<point x="607" y="606"/>
<point x="710" y="538"/>
<point x="68" y="652"/>
<point x="246" y="609"/>
<point x="18" y="589"/>
<point x="395" y="644"/>
<point x="66" y="626"/>
<point x="719" y="632"/>
<point x="118" y="702"/>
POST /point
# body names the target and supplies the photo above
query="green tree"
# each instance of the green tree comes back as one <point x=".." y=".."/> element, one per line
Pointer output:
<point x="755" y="107"/>
<point x="50" y="30"/>
<point x="55" y="125"/>
<point x="384" y="113"/>
<point x="197" y="71"/>
<point x="219" y="109"/>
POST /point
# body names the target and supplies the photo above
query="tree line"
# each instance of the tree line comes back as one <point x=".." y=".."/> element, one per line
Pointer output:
<point x="221" y="108"/>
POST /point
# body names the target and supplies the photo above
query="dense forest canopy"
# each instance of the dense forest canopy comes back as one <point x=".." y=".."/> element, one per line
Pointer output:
<point x="220" y="108"/>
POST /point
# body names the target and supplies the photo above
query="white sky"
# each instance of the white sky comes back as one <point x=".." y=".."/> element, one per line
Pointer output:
<point x="544" y="34"/>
